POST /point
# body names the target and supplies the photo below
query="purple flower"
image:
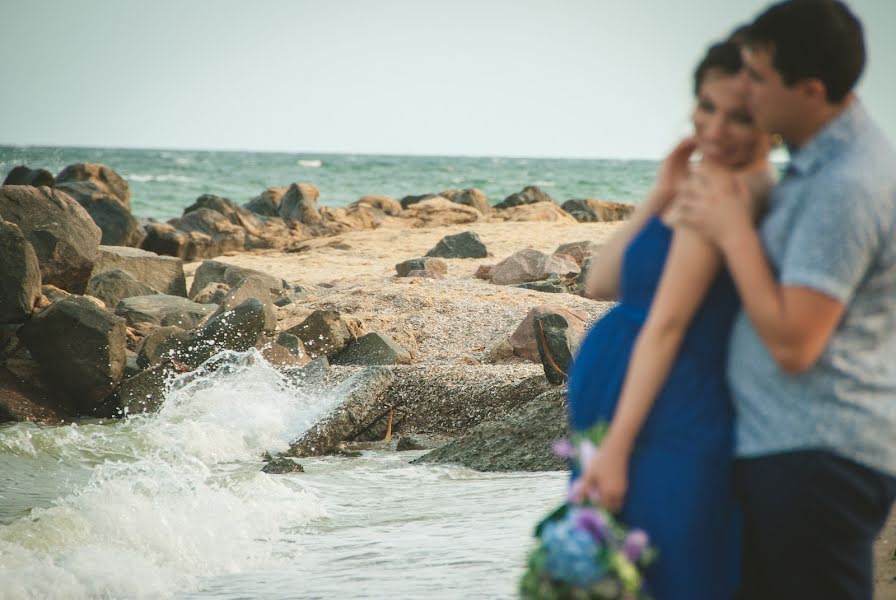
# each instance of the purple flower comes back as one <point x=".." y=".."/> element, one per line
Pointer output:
<point x="564" y="449"/>
<point x="634" y="545"/>
<point x="586" y="451"/>
<point x="592" y="521"/>
<point x="576" y="491"/>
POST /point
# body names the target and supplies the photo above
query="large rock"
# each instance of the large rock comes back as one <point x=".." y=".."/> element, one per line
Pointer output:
<point x="64" y="237"/>
<point x="323" y="332"/>
<point x="145" y="392"/>
<point x="365" y="403"/>
<point x="100" y="177"/>
<point x="160" y="344"/>
<point x="165" y="238"/>
<point x="546" y="212"/>
<point x="523" y="338"/>
<point x="530" y="194"/>
<point x="229" y="209"/>
<point x="22" y="175"/>
<point x="462" y="245"/>
<point x="373" y="349"/>
<point x="387" y="204"/>
<point x="114" y="286"/>
<point x="117" y="224"/>
<point x="438" y="212"/>
<point x="468" y="197"/>
<point x="299" y="203"/>
<point x="81" y="348"/>
<point x="556" y="341"/>
<point x="267" y="203"/>
<point x="237" y="330"/>
<point x="589" y="210"/>
<point x="578" y="251"/>
<point x="334" y="221"/>
<point x="531" y="265"/>
<point x="414" y="199"/>
<point x="224" y="235"/>
<point x="213" y="293"/>
<point x="252" y="286"/>
<point x="213" y="271"/>
<point x="19" y="275"/>
<point x="164" y="274"/>
<point x="20" y="400"/>
<point x="161" y="309"/>
<point x="521" y="441"/>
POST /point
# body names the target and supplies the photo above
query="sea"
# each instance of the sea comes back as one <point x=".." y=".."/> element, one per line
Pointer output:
<point x="164" y="182"/>
<point x="175" y="504"/>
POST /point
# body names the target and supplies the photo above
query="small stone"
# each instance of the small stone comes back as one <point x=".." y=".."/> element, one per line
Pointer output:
<point x="462" y="245"/>
<point x="435" y="265"/>
<point x="282" y="465"/>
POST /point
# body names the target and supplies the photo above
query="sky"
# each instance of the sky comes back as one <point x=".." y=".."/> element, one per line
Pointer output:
<point x="553" y="78"/>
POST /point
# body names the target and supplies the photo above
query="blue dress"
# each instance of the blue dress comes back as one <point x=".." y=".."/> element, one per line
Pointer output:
<point x="680" y="479"/>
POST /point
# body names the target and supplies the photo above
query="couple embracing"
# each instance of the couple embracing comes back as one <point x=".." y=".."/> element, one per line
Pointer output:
<point x="748" y="372"/>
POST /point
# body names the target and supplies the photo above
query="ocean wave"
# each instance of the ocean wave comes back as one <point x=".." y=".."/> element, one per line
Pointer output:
<point x="310" y="163"/>
<point x="164" y="178"/>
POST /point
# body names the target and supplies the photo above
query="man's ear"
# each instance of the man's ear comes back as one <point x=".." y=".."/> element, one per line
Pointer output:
<point x="813" y="89"/>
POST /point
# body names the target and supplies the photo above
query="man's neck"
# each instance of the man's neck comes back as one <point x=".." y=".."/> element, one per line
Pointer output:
<point x="819" y="121"/>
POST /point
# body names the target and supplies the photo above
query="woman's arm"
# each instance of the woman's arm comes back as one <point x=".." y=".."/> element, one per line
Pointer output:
<point x="602" y="280"/>
<point x="690" y="267"/>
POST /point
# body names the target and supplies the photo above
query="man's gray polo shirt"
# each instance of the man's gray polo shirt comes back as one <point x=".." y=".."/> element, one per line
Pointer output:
<point x="830" y="227"/>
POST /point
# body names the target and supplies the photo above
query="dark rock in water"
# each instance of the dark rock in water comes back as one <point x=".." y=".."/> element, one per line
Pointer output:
<point x="407" y="443"/>
<point x="144" y="392"/>
<point x="462" y="245"/>
<point x="530" y="195"/>
<point x="348" y="453"/>
<point x="311" y="376"/>
<point x="411" y="200"/>
<point x="81" y="348"/>
<point x="251" y="287"/>
<point x="291" y="343"/>
<point x="237" y="329"/>
<point x="435" y="265"/>
<point x="267" y="203"/>
<point x="19" y="275"/>
<point x="100" y="177"/>
<point x="299" y="203"/>
<point x="114" y="286"/>
<point x="160" y="344"/>
<point x="212" y="271"/>
<point x="589" y="210"/>
<point x="555" y="340"/>
<point x="160" y="309"/>
<point x="164" y="274"/>
<point x="324" y="333"/>
<point x="64" y="237"/>
<point x="364" y="403"/>
<point x="373" y="349"/>
<point x="20" y="400"/>
<point x="282" y="465"/>
<point x="521" y="441"/>
<point x="22" y="175"/>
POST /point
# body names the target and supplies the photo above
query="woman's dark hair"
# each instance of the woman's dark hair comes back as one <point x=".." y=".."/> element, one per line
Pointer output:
<point x="818" y="39"/>
<point x="723" y="56"/>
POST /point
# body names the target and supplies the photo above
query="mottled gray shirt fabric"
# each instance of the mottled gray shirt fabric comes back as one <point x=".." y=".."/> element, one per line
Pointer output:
<point x="830" y="227"/>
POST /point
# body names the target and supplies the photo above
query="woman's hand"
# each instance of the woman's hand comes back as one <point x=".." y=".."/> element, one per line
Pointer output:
<point x="674" y="170"/>
<point x="606" y="473"/>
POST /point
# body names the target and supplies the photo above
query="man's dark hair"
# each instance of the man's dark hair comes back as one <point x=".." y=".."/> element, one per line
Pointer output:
<point x="818" y="39"/>
<point x="724" y="57"/>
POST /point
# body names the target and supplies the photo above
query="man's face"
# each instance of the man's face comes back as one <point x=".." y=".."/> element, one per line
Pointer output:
<point x="775" y="106"/>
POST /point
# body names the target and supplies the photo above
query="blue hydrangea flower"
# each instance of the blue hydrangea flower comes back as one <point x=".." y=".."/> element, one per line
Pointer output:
<point x="572" y="554"/>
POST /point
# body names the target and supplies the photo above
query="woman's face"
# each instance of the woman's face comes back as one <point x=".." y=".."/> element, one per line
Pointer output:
<point x="726" y="134"/>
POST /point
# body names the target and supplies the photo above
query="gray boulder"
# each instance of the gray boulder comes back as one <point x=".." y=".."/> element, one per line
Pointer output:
<point x="81" y="348"/>
<point x="99" y="177"/>
<point x="468" y="197"/>
<point x="238" y="330"/>
<point x="168" y="240"/>
<point x="529" y="195"/>
<point x="521" y="441"/>
<point x="387" y="204"/>
<point x="22" y="400"/>
<point x="299" y="203"/>
<point x="292" y="343"/>
<point x="160" y="344"/>
<point x="213" y="293"/>
<point x="411" y="200"/>
<point x="373" y="349"/>
<point x="434" y="265"/>
<point x="64" y="237"/>
<point x="114" y="286"/>
<point x="267" y="203"/>
<point x="224" y="236"/>
<point x="531" y="265"/>
<point x="212" y="271"/>
<point x="22" y="175"/>
<point x="144" y="392"/>
<point x="19" y="275"/>
<point x="251" y="287"/>
<point x="229" y="209"/>
<point x="462" y="245"/>
<point x="164" y="274"/>
<point x="117" y="224"/>
<point x="323" y="332"/>
<point x="161" y="309"/>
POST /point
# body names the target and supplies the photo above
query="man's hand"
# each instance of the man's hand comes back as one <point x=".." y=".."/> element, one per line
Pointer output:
<point x="715" y="203"/>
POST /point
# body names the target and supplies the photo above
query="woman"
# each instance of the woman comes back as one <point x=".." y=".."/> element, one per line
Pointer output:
<point x="653" y="367"/>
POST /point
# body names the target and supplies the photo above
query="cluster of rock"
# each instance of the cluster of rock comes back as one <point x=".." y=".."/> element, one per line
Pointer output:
<point x="282" y="217"/>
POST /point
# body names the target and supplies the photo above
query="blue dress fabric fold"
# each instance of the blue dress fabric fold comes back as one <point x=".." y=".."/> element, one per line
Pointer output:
<point x="680" y="474"/>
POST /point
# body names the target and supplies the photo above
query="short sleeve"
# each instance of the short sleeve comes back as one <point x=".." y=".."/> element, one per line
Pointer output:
<point x="834" y="243"/>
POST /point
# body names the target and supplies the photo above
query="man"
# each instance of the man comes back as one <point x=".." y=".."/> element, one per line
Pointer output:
<point x="812" y="362"/>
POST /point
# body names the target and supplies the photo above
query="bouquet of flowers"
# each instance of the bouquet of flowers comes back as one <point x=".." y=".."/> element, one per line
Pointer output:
<point x="583" y="552"/>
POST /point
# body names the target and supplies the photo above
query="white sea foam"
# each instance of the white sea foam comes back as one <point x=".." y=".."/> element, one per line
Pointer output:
<point x="178" y="496"/>
<point x="310" y="163"/>
<point x="162" y="178"/>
